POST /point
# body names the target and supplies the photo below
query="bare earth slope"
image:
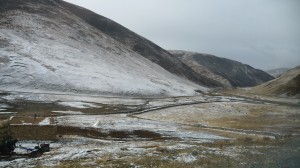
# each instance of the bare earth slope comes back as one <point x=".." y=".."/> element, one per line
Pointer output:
<point x="44" y="47"/>
<point x="225" y="71"/>
<point x="288" y="84"/>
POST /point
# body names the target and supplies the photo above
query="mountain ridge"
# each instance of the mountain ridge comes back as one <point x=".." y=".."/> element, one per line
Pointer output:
<point x="224" y="70"/>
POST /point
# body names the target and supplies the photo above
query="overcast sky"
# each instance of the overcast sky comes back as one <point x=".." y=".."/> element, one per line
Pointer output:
<point x="262" y="33"/>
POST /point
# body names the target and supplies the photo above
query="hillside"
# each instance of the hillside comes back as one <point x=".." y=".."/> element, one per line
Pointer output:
<point x="277" y="72"/>
<point x="225" y="71"/>
<point x="139" y="44"/>
<point x="46" y="47"/>
<point x="288" y="84"/>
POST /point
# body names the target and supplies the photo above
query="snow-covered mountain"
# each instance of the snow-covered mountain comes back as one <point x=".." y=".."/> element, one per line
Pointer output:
<point x="138" y="44"/>
<point x="45" y="47"/>
<point x="224" y="71"/>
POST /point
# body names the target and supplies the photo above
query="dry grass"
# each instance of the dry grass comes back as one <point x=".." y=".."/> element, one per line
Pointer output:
<point x="166" y="158"/>
<point x="155" y="162"/>
<point x="262" y="117"/>
<point x="74" y="164"/>
<point x="252" y="152"/>
<point x="26" y="120"/>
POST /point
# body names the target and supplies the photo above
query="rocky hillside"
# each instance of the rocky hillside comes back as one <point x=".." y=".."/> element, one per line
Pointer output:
<point x="53" y="46"/>
<point x="288" y="84"/>
<point x="225" y="71"/>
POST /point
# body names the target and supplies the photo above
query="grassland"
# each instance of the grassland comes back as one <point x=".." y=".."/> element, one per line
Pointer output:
<point x="212" y="131"/>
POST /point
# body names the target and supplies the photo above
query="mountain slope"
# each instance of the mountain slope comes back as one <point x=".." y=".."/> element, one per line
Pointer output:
<point x="225" y="71"/>
<point x="138" y="44"/>
<point x="288" y="84"/>
<point x="46" y="48"/>
<point x="277" y="72"/>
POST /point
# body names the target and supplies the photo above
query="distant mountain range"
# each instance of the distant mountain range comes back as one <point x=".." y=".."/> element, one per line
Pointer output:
<point x="55" y="46"/>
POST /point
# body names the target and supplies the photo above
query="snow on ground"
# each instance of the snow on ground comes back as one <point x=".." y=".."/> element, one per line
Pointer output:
<point x="78" y="148"/>
<point x="24" y="147"/>
<point x="78" y="120"/>
<point x="186" y="158"/>
<point x="68" y="112"/>
<point x="81" y="105"/>
<point x="121" y="122"/>
<point x="175" y="100"/>
<point x="87" y="150"/>
<point x="40" y="96"/>
<point x="62" y="150"/>
<point x="72" y="100"/>
<point x="46" y="121"/>
<point x="3" y="106"/>
<point x="4" y="113"/>
<point x="161" y="102"/>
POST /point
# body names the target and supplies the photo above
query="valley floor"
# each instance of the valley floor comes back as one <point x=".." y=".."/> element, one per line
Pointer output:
<point x="199" y="131"/>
